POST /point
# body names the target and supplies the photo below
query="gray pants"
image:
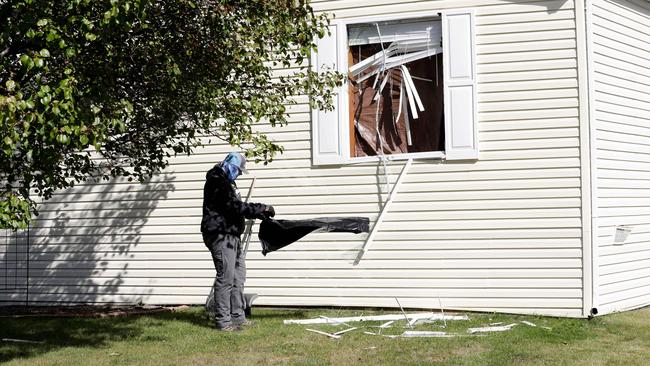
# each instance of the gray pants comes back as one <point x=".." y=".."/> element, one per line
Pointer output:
<point x="228" y="289"/>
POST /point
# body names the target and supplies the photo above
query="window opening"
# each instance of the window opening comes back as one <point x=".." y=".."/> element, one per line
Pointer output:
<point x="396" y="89"/>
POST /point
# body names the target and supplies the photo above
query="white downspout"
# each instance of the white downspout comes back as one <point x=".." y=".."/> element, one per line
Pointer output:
<point x="587" y="158"/>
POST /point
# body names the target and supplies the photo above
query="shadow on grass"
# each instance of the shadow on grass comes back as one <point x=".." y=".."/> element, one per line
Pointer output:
<point x="197" y="316"/>
<point x="60" y="332"/>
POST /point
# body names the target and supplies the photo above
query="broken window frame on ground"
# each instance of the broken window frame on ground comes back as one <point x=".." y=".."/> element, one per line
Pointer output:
<point x="331" y="132"/>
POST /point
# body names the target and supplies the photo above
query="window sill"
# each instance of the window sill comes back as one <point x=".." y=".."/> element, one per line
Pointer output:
<point x="436" y="155"/>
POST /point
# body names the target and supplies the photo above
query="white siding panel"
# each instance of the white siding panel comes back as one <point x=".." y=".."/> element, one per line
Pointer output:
<point x="499" y="234"/>
<point x="621" y="69"/>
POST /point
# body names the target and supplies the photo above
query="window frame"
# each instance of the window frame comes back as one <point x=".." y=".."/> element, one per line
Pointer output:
<point x="344" y="129"/>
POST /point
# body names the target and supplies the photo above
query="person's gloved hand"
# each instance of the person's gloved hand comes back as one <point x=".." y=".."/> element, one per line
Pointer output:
<point x="268" y="212"/>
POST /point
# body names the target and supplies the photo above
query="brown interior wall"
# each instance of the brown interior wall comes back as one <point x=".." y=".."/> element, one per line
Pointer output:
<point x="427" y="132"/>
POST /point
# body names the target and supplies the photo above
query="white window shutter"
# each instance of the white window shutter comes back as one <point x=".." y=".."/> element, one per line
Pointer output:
<point x="459" y="65"/>
<point x="327" y="126"/>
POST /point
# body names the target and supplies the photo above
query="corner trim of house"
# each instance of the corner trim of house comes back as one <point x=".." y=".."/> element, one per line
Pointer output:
<point x="589" y="259"/>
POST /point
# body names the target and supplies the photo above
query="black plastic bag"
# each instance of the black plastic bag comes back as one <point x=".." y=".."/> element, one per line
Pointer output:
<point x="276" y="234"/>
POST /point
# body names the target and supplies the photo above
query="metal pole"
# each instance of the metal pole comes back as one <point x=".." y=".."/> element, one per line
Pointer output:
<point x="249" y="224"/>
<point x="27" y="279"/>
<point x="6" y="284"/>
<point x="16" y="259"/>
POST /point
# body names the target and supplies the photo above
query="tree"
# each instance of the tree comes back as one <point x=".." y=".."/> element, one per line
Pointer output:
<point x="94" y="89"/>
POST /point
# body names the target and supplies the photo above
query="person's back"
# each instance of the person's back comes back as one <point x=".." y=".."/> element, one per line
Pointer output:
<point x="219" y="197"/>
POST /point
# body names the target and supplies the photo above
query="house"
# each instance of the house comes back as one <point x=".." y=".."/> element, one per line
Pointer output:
<point x="521" y="187"/>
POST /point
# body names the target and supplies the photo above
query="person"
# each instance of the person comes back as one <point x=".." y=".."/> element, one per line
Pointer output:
<point x="222" y="226"/>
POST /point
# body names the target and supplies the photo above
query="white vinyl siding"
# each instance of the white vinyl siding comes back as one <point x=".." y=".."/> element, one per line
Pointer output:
<point x="499" y="234"/>
<point x="621" y="98"/>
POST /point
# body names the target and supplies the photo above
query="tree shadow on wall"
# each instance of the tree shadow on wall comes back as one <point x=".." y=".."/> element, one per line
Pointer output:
<point x="80" y="246"/>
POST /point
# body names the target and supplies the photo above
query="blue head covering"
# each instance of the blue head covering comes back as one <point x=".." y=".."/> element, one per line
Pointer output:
<point x="234" y="165"/>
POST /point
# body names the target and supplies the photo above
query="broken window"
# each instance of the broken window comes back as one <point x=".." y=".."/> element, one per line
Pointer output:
<point x="411" y="93"/>
<point x="396" y="89"/>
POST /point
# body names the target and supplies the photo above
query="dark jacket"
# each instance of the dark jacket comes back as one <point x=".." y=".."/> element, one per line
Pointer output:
<point x="223" y="209"/>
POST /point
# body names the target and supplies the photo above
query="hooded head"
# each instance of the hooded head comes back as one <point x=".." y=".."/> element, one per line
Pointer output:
<point x="234" y="165"/>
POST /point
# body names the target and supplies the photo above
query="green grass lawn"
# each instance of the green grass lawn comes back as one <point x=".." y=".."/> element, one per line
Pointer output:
<point x="186" y="338"/>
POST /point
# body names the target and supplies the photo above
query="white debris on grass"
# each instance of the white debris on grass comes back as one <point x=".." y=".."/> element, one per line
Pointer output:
<point x="443" y="312"/>
<point x="324" y="333"/>
<point x="333" y="321"/>
<point x="502" y="328"/>
<point x="408" y="320"/>
<point x="412" y="322"/>
<point x="345" y="331"/>
<point x="428" y="334"/>
<point x="429" y="321"/>
<point x="344" y="320"/>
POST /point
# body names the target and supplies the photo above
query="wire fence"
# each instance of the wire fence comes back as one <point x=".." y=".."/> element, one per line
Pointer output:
<point x="14" y="265"/>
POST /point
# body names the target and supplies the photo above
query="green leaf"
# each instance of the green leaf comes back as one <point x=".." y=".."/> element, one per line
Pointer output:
<point x="10" y="84"/>
<point x="83" y="139"/>
<point x="25" y="59"/>
<point x="51" y="36"/>
<point x="42" y="22"/>
<point x="63" y="139"/>
<point x="87" y="23"/>
<point x="45" y="53"/>
<point x="7" y="140"/>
